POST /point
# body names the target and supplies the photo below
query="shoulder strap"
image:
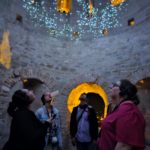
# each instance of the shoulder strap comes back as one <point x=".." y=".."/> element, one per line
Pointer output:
<point x="79" y="118"/>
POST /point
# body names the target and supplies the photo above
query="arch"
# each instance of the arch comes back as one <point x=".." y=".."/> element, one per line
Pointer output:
<point x="73" y="99"/>
<point x="97" y="102"/>
<point x="144" y="83"/>
<point x="143" y="86"/>
<point x="31" y="82"/>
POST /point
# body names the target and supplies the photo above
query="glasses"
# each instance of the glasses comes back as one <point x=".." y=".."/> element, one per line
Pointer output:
<point x="116" y="84"/>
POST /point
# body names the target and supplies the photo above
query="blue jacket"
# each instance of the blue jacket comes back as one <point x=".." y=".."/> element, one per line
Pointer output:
<point x="42" y="115"/>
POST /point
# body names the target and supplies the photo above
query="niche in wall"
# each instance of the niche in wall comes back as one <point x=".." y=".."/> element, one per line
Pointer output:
<point x="143" y="86"/>
<point x="97" y="102"/>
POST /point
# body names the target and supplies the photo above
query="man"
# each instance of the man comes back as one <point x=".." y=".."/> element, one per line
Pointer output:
<point x="83" y="125"/>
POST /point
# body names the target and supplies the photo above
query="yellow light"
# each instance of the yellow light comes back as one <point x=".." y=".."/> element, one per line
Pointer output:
<point x="73" y="99"/>
<point x="132" y="23"/>
<point x="64" y="6"/>
<point x="117" y="2"/>
<point x="5" y="52"/>
<point x="75" y="34"/>
<point x="25" y="80"/>
<point x="90" y="8"/>
<point x="142" y="81"/>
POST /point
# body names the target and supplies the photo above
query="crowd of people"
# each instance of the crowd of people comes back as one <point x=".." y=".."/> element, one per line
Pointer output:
<point x="122" y="129"/>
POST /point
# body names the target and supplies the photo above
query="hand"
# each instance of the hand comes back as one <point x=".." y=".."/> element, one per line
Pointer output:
<point x="73" y="141"/>
<point x="49" y="120"/>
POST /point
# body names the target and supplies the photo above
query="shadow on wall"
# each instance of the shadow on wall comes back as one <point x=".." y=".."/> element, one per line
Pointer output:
<point x="144" y="95"/>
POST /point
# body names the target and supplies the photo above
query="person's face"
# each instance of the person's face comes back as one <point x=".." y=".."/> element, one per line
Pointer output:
<point x="114" y="94"/>
<point x="83" y="100"/>
<point x="48" y="99"/>
<point x="30" y="94"/>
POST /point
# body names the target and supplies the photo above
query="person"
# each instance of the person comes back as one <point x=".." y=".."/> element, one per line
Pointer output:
<point x="26" y="131"/>
<point x="123" y="129"/>
<point x="84" y="125"/>
<point x="113" y="97"/>
<point x="48" y="111"/>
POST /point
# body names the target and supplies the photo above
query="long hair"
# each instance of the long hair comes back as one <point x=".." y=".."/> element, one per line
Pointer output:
<point x="43" y="99"/>
<point x="19" y="100"/>
<point x="129" y="91"/>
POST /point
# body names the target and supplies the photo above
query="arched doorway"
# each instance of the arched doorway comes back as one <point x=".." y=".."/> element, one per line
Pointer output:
<point x="143" y="86"/>
<point x="98" y="98"/>
<point x="97" y="102"/>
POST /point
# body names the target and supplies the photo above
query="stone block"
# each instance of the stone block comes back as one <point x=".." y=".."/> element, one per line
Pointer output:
<point x="5" y="89"/>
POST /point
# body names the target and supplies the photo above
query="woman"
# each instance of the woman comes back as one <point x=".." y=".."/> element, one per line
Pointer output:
<point x="113" y="102"/>
<point x="123" y="129"/>
<point x="48" y="111"/>
<point x="26" y="132"/>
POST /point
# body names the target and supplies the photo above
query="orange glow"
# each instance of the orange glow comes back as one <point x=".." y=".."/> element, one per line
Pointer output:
<point x="132" y="23"/>
<point x="141" y="81"/>
<point x="117" y="2"/>
<point x="90" y="7"/>
<point x="73" y="99"/>
<point x="24" y="81"/>
<point x="64" y="6"/>
<point x="5" y="53"/>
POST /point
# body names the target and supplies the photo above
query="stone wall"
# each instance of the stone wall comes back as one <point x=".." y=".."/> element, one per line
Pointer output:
<point x="64" y="64"/>
<point x="14" y="82"/>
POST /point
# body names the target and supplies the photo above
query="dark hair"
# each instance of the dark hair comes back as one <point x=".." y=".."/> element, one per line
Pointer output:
<point x="128" y="91"/>
<point x="19" y="100"/>
<point x="83" y="96"/>
<point x="43" y="99"/>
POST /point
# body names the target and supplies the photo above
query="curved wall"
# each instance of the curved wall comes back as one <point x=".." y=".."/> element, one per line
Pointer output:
<point x="64" y="64"/>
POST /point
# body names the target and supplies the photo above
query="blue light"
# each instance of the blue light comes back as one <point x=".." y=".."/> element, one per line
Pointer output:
<point x="105" y="17"/>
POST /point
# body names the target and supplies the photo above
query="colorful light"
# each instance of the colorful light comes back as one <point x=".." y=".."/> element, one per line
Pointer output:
<point x="76" y="20"/>
<point x="64" y="6"/>
<point x="117" y="2"/>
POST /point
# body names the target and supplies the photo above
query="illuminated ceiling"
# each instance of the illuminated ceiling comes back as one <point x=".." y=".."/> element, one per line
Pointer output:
<point x="75" y="19"/>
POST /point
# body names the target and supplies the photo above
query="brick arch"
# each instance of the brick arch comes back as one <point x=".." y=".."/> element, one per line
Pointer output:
<point x="20" y="74"/>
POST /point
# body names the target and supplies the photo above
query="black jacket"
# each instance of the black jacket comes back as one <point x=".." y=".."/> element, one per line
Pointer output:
<point x="26" y="132"/>
<point x="93" y="124"/>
